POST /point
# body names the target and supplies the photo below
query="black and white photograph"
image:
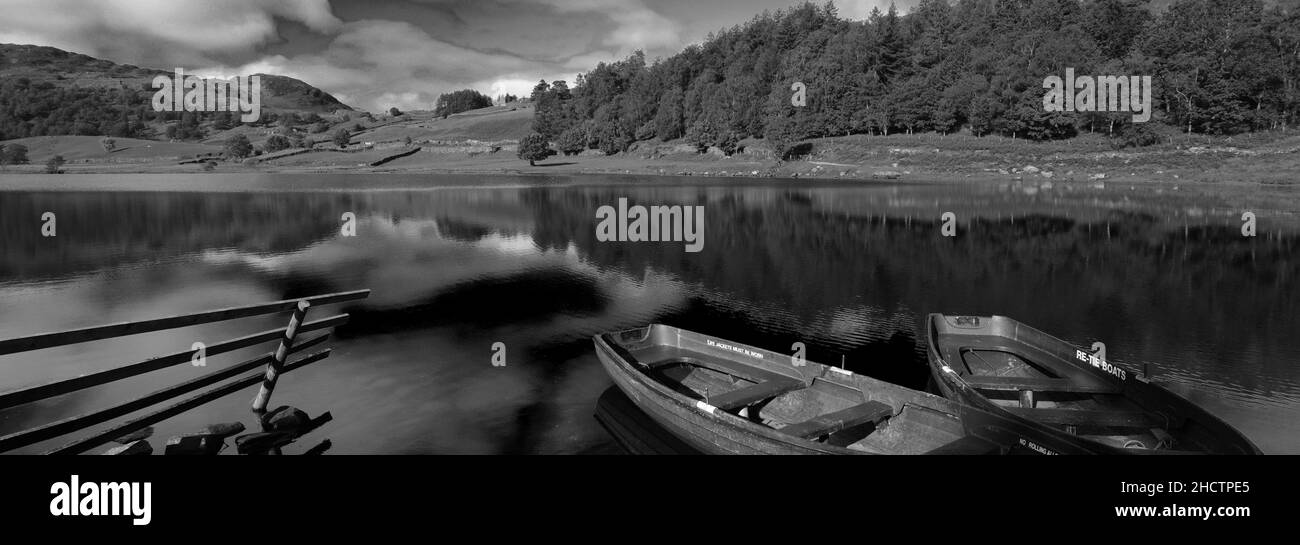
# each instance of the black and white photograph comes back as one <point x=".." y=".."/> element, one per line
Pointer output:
<point x="652" y="227"/>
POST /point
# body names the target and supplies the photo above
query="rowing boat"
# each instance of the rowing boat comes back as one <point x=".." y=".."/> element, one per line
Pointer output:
<point x="998" y="364"/>
<point x="720" y="397"/>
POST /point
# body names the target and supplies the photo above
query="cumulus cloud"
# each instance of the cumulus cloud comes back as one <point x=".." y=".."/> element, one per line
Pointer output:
<point x="636" y="26"/>
<point x="169" y="30"/>
<point x="380" y="64"/>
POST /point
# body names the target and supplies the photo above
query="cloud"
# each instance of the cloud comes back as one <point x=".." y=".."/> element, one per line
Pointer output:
<point x="636" y="26"/>
<point x="376" y="65"/>
<point x="168" y="29"/>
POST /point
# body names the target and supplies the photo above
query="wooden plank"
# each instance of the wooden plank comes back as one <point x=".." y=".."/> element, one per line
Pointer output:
<point x="743" y="397"/>
<point x="35" y="393"/>
<point x="86" y="443"/>
<point x="1093" y="418"/>
<point x="871" y="411"/>
<point x="80" y="422"/>
<point x="1019" y="384"/>
<point x="94" y="333"/>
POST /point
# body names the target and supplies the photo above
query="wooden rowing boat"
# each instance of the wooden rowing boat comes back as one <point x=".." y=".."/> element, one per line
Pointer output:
<point x="719" y="397"/>
<point x="998" y="364"/>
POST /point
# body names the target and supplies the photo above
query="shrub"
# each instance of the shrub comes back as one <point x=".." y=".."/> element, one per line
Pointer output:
<point x="238" y="147"/>
<point x="54" y="165"/>
<point x="534" y="147"/>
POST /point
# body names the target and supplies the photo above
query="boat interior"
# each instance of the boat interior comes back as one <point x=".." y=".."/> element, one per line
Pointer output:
<point x="832" y="409"/>
<point x="1042" y="386"/>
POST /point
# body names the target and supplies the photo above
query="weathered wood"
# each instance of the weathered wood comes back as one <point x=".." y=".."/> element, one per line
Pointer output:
<point x="1021" y="384"/>
<point x="265" y="442"/>
<point x="35" y="393"/>
<point x="857" y="415"/>
<point x="754" y="393"/>
<point x="319" y="449"/>
<point x="273" y="368"/>
<point x="75" y="336"/>
<point x="101" y="437"/>
<point x="134" y="436"/>
<point x="1092" y="418"/>
<point x="68" y="425"/>
<point x="223" y="430"/>
<point x="139" y="447"/>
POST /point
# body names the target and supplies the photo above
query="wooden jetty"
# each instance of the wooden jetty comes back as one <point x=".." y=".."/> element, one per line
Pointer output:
<point x="265" y="369"/>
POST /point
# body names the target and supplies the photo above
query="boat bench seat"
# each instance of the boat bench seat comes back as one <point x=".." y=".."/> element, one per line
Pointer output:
<point x="871" y="411"/>
<point x="1021" y="384"/>
<point x="1093" y="418"/>
<point x="754" y="393"/>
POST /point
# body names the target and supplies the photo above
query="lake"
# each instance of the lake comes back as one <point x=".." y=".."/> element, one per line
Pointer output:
<point x="1161" y="275"/>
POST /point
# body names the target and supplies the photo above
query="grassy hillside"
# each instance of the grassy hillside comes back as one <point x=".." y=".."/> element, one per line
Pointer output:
<point x="67" y="69"/>
<point x="82" y="148"/>
<point x="508" y="122"/>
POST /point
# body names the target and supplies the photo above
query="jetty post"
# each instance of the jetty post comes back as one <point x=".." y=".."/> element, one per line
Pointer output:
<point x="277" y="362"/>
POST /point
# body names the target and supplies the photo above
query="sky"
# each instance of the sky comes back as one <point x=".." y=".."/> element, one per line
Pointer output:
<point x="377" y="54"/>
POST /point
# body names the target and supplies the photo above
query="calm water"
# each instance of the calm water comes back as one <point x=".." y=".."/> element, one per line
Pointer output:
<point x="457" y="263"/>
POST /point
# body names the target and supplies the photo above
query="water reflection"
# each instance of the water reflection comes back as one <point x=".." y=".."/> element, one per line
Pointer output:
<point x="1163" y="278"/>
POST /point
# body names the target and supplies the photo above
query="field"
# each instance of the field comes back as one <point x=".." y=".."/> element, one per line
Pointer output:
<point x="482" y="141"/>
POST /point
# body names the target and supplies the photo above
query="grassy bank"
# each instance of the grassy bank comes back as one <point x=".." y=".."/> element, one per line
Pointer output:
<point x="481" y="141"/>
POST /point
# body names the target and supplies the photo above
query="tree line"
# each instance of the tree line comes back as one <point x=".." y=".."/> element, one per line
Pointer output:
<point x="1219" y="67"/>
<point x="460" y="101"/>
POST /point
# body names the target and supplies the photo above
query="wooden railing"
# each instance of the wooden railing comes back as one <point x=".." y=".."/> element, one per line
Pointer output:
<point x="273" y="365"/>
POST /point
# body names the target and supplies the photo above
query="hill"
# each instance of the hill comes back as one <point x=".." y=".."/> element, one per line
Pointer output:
<point x="49" y="91"/>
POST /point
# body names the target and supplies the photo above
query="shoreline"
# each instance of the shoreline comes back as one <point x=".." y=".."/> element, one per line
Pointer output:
<point x="1268" y="161"/>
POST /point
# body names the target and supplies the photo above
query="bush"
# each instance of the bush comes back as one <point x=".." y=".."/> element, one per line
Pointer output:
<point x="13" y="154"/>
<point x="573" y="141"/>
<point x="54" y="165"/>
<point x="702" y="134"/>
<point x="238" y="147"/>
<point x="109" y="144"/>
<point x="277" y="143"/>
<point x="342" y="138"/>
<point x="534" y="147"/>
<point x="1135" y="135"/>
<point x="728" y="143"/>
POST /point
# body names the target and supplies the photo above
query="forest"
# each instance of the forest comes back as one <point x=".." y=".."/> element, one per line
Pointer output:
<point x="1219" y="67"/>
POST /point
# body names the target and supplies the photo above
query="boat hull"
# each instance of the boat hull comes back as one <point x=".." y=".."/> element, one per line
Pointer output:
<point x="1203" y="433"/>
<point x="922" y="423"/>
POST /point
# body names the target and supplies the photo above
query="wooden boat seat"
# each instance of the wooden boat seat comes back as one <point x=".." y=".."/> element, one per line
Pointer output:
<point x="857" y="415"/>
<point x="1019" y="384"/>
<point x="1094" y="418"/>
<point x="754" y="393"/>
